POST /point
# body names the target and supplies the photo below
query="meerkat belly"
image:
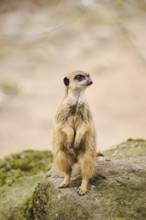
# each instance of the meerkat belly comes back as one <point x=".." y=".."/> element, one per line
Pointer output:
<point x="75" y="121"/>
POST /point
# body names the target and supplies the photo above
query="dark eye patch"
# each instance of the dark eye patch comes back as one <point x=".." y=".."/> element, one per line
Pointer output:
<point x="79" y="77"/>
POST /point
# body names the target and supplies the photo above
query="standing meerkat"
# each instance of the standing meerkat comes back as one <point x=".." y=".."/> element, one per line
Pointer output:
<point x="74" y="136"/>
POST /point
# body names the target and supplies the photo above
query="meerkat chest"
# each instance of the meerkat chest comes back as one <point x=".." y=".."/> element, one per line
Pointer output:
<point x="73" y="113"/>
<point x="78" y="112"/>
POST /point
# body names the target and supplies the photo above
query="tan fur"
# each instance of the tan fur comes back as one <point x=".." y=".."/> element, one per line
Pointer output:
<point x="74" y="137"/>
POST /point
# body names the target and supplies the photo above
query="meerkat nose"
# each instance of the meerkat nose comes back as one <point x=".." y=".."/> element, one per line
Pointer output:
<point x="89" y="82"/>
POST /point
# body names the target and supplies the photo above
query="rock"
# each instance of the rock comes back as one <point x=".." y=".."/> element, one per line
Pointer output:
<point x="117" y="191"/>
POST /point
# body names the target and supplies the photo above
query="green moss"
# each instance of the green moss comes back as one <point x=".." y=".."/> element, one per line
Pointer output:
<point x="26" y="210"/>
<point x="136" y="140"/>
<point x="119" y="218"/>
<point x="27" y="163"/>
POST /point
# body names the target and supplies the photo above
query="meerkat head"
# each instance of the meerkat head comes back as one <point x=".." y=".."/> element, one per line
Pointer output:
<point x="77" y="80"/>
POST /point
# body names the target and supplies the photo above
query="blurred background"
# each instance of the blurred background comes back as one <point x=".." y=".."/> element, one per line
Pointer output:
<point x="42" y="40"/>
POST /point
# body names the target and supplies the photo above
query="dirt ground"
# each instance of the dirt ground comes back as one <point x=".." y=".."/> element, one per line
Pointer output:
<point x="40" y="43"/>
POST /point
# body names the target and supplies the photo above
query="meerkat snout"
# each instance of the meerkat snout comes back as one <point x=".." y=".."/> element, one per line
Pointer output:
<point x="89" y="82"/>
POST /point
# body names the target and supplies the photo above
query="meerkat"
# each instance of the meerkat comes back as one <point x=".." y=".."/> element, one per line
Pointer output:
<point x="74" y="136"/>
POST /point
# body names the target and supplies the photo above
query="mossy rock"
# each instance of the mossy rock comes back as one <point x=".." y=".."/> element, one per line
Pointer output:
<point x="117" y="191"/>
<point x="19" y="176"/>
<point x="129" y="149"/>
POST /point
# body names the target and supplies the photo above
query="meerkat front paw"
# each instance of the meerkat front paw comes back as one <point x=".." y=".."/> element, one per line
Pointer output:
<point x="76" y="145"/>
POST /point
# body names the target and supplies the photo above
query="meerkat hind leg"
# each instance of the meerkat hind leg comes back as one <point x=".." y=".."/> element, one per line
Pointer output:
<point x="65" y="165"/>
<point x="87" y="169"/>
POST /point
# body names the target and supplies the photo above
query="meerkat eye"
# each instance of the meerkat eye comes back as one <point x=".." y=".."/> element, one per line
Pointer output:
<point x="79" y="77"/>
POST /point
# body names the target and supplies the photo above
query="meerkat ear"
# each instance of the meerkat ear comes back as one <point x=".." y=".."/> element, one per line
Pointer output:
<point x="66" y="81"/>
